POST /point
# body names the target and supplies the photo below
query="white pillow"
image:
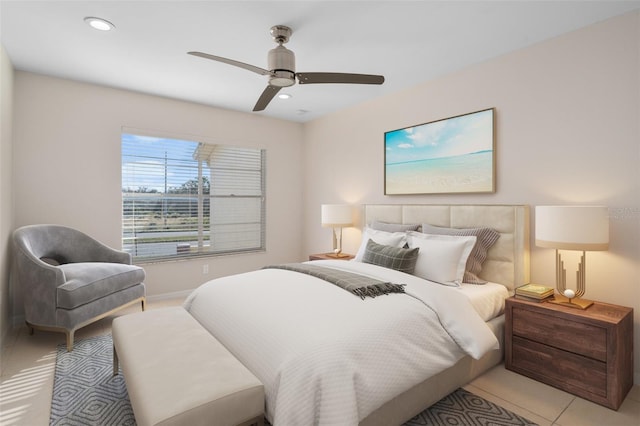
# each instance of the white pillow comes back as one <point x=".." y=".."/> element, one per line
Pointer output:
<point x="395" y="239"/>
<point x="442" y="258"/>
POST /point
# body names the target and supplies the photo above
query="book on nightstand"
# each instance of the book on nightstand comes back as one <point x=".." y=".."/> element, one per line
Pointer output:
<point x="533" y="299"/>
<point x="534" y="292"/>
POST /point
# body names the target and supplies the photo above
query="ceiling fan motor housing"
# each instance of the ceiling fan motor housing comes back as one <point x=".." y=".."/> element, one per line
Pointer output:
<point x="282" y="63"/>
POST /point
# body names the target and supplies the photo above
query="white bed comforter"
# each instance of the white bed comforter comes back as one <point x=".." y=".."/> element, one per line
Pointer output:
<point x="325" y="356"/>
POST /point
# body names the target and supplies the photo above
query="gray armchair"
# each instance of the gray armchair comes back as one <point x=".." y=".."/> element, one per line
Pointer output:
<point x="70" y="280"/>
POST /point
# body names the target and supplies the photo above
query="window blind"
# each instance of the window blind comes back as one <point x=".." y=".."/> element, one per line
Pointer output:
<point x="187" y="198"/>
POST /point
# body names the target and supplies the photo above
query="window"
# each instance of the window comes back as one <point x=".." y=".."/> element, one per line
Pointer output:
<point x="183" y="198"/>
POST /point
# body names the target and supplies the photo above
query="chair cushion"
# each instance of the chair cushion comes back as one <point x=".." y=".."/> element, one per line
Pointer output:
<point x="89" y="281"/>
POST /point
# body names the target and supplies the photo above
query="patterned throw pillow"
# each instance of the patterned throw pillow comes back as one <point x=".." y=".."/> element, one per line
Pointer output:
<point x="400" y="259"/>
<point x="486" y="238"/>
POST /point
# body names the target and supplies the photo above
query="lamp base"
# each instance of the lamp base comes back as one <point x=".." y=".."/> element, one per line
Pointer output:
<point x="576" y="303"/>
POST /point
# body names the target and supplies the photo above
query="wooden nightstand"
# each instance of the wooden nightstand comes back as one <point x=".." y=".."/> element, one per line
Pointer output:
<point x="588" y="353"/>
<point x="330" y="256"/>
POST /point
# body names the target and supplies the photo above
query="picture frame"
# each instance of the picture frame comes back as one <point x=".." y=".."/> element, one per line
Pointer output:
<point x="454" y="155"/>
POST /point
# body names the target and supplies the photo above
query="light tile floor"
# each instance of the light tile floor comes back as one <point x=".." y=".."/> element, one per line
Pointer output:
<point x="28" y="362"/>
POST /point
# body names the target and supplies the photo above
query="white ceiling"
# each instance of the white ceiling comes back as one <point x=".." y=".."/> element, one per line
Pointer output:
<point x="409" y="42"/>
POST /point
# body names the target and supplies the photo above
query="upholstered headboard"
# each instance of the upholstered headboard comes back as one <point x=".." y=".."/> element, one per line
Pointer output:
<point x="507" y="261"/>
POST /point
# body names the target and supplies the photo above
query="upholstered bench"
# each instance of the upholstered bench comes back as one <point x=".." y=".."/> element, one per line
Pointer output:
<point x="177" y="373"/>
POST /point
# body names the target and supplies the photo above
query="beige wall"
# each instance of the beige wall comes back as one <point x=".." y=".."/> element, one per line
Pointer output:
<point x="6" y="190"/>
<point x="67" y="167"/>
<point x="568" y="132"/>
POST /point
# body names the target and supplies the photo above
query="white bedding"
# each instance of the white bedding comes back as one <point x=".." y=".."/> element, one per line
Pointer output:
<point x="487" y="299"/>
<point x="324" y="355"/>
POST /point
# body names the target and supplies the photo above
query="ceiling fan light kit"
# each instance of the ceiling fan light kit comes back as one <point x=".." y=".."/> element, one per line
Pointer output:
<point x="282" y="69"/>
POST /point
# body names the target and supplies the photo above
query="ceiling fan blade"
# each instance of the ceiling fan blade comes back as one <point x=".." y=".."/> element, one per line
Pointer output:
<point x="337" y="77"/>
<point x="265" y="98"/>
<point x="252" y="68"/>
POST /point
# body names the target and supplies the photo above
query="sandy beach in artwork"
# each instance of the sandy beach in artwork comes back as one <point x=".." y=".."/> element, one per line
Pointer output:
<point x="463" y="173"/>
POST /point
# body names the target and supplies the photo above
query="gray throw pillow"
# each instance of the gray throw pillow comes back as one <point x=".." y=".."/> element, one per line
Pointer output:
<point x="486" y="238"/>
<point x="400" y="259"/>
<point x="393" y="227"/>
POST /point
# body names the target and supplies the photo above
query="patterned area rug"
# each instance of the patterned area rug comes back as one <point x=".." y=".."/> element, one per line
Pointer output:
<point x="85" y="392"/>
<point x="464" y="408"/>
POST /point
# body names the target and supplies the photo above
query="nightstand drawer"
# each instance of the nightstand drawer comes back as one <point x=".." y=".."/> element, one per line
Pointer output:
<point x="578" y="374"/>
<point x="577" y="337"/>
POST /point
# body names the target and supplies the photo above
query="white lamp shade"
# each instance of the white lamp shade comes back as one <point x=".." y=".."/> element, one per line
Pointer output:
<point x="336" y="215"/>
<point x="572" y="227"/>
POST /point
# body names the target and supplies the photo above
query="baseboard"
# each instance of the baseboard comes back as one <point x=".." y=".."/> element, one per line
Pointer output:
<point x="17" y="320"/>
<point x="5" y="329"/>
<point x="167" y="296"/>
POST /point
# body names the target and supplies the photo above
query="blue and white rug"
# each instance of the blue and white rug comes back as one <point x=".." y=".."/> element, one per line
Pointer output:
<point x="85" y="392"/>
<point x="462" y="408"/>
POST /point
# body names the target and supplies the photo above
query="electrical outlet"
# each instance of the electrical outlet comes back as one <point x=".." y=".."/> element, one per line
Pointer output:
<point x="205" y="269"/>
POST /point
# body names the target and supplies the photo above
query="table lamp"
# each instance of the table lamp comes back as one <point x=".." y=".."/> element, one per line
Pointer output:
<point x="583" y="228"/>
<point x="336" y="216"/>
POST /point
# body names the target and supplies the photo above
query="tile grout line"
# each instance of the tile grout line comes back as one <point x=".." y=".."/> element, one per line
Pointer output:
<point x="562" y="412"/>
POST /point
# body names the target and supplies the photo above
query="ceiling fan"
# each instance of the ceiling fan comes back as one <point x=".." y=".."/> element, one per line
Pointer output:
<point x="282" y="69"/>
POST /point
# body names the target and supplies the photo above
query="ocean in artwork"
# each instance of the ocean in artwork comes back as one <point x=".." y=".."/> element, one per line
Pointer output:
<point x="472" y="172"/>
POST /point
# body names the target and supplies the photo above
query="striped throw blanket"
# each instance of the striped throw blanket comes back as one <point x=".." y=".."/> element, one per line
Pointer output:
<point x="359" y="285"/>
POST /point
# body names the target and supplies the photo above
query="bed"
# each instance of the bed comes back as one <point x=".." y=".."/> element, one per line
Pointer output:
<point x="327" y="357"/>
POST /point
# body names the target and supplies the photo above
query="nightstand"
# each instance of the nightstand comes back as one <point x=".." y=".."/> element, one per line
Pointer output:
<point x="588" y="353"/>
<point x="330" y="256"/>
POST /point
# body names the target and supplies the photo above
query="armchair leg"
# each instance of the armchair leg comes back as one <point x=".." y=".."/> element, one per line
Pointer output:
<point x="69" y="334"/>
<point x="115" y="361"/>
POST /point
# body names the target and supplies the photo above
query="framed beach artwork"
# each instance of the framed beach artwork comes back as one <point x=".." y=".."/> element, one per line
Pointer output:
<point x="452" y="155"/>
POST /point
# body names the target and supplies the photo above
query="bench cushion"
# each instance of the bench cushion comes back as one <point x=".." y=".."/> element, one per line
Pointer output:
<point x="179" y="374"/>
<point x="89" y="281"/>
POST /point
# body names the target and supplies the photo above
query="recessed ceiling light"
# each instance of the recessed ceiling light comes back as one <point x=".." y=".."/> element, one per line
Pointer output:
<point x="99" y="23"/>
<point x="284" y="96"/>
